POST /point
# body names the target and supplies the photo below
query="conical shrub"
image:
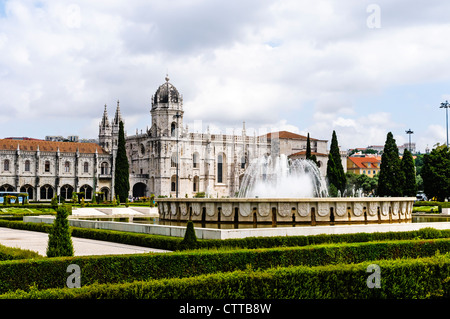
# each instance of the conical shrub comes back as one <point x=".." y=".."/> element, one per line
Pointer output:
<point x="190" y="239"/>
<point x="59" y="238"/>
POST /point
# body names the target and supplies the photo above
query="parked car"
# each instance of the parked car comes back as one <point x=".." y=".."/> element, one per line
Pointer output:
<point x="421" y="197"/>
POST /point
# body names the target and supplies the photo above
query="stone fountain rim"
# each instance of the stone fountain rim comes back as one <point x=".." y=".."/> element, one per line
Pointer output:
<point x="302" y="199"/>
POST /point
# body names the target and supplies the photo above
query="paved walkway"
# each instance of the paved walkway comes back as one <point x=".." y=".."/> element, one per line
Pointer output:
<point x="37" y="241"/>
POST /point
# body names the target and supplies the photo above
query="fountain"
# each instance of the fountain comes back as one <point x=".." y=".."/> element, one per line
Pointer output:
<point x="274" y="176"/>
<point x="276" y="190"/>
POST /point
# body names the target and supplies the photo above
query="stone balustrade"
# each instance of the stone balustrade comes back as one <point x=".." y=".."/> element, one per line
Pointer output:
<point x="307" y="211"/>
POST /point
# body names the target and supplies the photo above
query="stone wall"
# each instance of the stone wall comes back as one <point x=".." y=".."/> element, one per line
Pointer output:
<point x="308" y="211"/>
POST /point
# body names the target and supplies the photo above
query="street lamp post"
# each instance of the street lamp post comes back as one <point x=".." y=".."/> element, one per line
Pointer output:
<point x="445" y="105"/>
<point x="409" y="132"/>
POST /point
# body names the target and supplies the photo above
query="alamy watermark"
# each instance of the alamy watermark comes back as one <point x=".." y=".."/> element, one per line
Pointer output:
<point x="374" y="280"/>
<point x="74" y="279"/>
<point x="373" y="21"/>
<point x="73" y="16"/>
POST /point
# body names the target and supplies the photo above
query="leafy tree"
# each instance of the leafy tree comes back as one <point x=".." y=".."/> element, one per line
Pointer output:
<point x="335" y="172"/>
<point x="409" y="171"/>
<point x="121" y="174"/>
<point x="418" y="162"/>
<point x="419" y="182"/>
<point x="59" y="237"/>
<point x="436" y="173"/>
<point x="361" y="181"/>
<point x="391" y="179"/>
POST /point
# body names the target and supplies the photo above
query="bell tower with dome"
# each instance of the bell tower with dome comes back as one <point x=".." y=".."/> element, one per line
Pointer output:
<point x="168" y="160"/>
<point x="167" y="110"/>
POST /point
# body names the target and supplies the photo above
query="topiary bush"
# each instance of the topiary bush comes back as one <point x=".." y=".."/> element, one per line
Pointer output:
<point x="59" y="238"/>
<point x="190" y="239"/>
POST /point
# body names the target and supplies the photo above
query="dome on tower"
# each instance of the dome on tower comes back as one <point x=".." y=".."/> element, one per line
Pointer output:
<point x="166" y="93"/>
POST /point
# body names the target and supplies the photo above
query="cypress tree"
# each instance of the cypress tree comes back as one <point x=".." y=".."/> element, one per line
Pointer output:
<point x="335" y="171"/>
<point x="308" y="148"/>
<point x="309" y="155"/>
<point x="59" y="238"/>
<point x="409" y="172"/>
<point x="121" y="174"/>
<point x="391" y="180"/>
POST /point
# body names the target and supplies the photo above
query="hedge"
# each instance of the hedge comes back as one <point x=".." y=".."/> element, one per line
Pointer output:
<point x="433" y="203"/>
<point x="400" y="279"/>
<point x="51" y="272"/>
<point x="173" y="243"/>
<point x="9" y="253"/>
<point x="290" y="241"/>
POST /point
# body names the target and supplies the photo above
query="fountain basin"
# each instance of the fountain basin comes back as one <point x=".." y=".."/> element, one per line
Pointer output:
<point x="307" y="211"/>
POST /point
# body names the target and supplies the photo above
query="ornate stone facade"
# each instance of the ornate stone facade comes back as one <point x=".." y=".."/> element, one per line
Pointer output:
<point x="44" y="169"/>
<point x="203" y="162"/>
<point x="166" y="159"/>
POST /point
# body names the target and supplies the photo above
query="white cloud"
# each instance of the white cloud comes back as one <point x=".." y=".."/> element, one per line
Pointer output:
<point x="434" y="134"/>
<point x="295" y="65"/>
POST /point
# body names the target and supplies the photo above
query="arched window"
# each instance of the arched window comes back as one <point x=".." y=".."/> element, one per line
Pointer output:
<point x="27" y="165"/>
<point x="195" y="184"/>
<point x="220" y="168"/>
<point x="105" y="195"/>
<point x="27" y="189"/>
<point x="173" y="129"/>
<point x="139" y="190"/>
<point x="46" y="192"/>
<point x="86" y="167"/>
<point x="47" y="166"/>
<point x="243" y="162"/>
<point x="104" y="168"/>
<point x="173" y="160"/>
<point x="173" y="184"/>
<point x="6" y="188"/>
<point x="87" y="190"/>
<point x="6" y="165"/>
<point x="66" y="192"/>
<point x="67" y="167"/>
<point x="195" y="163"/>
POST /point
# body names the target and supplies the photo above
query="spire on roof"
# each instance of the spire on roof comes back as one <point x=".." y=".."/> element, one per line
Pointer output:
<point x="118" y="116"/>
<point x="105" y="121"/>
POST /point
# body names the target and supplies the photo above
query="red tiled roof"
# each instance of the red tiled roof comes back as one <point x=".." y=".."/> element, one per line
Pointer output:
<point x="312" y="153"/>
<point x="50" y="146"/>
<point x="286" y="134"/>
<point x="361" y="162"/>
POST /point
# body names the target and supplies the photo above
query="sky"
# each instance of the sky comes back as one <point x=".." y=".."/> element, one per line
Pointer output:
<point x="361" y="68"/>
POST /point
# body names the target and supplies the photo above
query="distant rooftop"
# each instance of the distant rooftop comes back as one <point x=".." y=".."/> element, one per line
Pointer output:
<point x="288" y="135"/>
<point x="29" y="144"/>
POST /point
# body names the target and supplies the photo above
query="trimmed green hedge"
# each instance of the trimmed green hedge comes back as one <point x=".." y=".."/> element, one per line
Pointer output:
<point x="290" y="241"/>
<point x="9" y="253"/>
<point x="137" y="239"/>
<point x="174" y="243"/>
<point x="51" y="272"/>
<point x="401" y="279"/>
<point x="432" y="203"/>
